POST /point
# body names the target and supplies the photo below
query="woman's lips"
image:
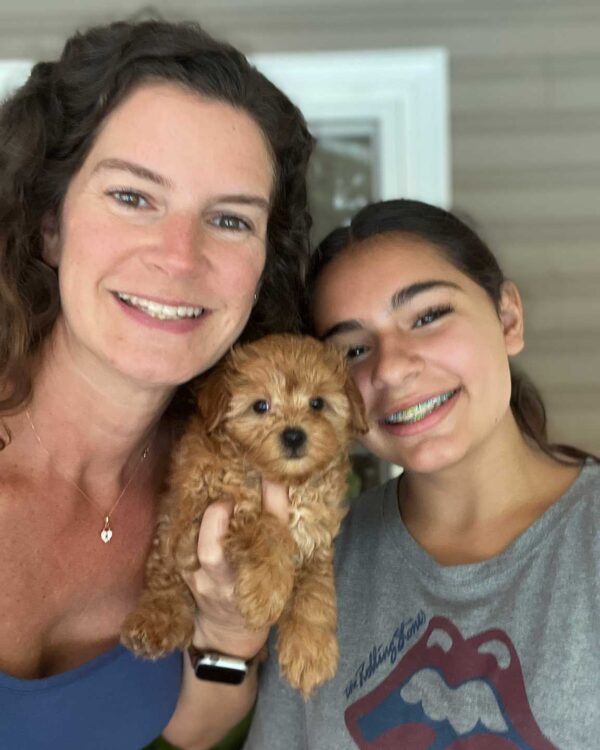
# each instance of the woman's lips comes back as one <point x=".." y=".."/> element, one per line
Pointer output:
<point x="175" y="325"/>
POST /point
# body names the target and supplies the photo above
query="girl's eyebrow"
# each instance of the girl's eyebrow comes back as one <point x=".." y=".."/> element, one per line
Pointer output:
<point x="400" y="298"/>
<point x="405" y="295"/>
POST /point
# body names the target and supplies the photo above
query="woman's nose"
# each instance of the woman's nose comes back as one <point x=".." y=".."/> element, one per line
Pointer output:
<point x="179" y="249"/>
<point x="395" y="361"/>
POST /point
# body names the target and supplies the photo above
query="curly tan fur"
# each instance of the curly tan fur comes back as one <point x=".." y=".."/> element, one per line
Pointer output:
<point x="283" y="574"/>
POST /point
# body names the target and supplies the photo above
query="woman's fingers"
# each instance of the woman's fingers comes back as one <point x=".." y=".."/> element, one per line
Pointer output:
<point x="215" y="571"/>
<point x="275" y="500"/>
<point x="213" y="528"/>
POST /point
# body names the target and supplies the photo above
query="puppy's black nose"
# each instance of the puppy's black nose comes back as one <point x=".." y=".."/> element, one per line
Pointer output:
<point x="293" y="438"/>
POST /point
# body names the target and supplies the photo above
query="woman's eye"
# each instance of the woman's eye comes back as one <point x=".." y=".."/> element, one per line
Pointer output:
<point x="261" y="406"/>
<point x="130" y="198"/>
<point x="432" y="315"/>
<point x="230" y="222"/>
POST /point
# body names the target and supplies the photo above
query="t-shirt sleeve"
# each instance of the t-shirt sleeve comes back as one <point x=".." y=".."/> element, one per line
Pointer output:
<point x="279" y="716"/>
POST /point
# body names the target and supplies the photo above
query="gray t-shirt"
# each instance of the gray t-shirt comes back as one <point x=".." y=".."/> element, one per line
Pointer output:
<point x="495" y="655"/>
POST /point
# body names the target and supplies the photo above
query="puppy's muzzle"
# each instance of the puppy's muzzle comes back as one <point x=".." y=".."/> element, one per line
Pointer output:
<point x="293" y="440"/>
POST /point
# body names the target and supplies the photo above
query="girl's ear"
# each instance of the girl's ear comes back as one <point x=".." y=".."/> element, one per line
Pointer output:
<point x="511" y="317"/>
<point x="50" y="231"/>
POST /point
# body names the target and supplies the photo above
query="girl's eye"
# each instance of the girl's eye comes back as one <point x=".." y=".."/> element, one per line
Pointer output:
<point x="432" y="315"/>
<point x="130" y="198"/>
<point x="230" y="222"/>
<point x="261" y="406"/>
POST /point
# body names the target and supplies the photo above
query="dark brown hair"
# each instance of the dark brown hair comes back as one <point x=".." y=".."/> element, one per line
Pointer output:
<point x="48" y="126"/>
<point x="467" y="252"/>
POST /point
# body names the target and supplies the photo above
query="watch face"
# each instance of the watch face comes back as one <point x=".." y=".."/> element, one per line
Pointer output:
<point x="216" y="668"/>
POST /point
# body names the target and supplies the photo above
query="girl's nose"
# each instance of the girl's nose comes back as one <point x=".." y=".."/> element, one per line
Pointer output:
<point x="395" y="361"/>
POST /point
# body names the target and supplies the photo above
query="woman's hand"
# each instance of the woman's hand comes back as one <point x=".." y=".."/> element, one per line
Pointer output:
<point x="219" y="624"/>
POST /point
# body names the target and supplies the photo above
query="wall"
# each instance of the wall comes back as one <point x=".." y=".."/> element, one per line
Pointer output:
<point x="525" y="97"/>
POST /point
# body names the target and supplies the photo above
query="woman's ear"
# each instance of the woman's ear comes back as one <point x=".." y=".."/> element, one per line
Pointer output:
<point x="50" y="231"/>
<point x="511" y="317"/>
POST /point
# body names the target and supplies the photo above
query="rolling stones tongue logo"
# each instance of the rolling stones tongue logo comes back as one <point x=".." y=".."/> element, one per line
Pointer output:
<point x="448" y="693"/>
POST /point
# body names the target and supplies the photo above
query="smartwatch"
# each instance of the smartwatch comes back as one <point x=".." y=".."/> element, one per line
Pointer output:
<point x="209" y="665"/>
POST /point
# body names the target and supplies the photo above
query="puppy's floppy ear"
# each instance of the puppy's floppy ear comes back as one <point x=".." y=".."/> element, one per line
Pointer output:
<point x="358" y="416"/>
<point x="212" y="397"/>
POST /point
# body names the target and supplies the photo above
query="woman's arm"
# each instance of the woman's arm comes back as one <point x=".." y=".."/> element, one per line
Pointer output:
<point x="206" y="711"/>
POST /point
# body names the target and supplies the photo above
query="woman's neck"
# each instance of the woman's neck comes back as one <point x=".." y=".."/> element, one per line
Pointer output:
<point x="91" y="423"/>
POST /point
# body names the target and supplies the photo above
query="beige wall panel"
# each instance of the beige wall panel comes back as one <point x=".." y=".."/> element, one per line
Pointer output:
<point x="529" y="92"/>
<point x="556" y="371"/>
<point x="487" y="150"/>
<point x="560" y="259"/>
<point x="574" y="427"/>
<point x="536" y="205"/>
<point x="577" y="92"/>
<point x="562" y="314"/>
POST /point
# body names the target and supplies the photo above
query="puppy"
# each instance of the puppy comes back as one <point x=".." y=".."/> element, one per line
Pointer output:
<point x="283" y="408"/>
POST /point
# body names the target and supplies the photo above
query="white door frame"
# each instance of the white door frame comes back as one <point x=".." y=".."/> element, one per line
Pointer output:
<point x="404" y="91"/>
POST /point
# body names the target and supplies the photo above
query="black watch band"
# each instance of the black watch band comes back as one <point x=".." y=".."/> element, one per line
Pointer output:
<point x="215" y="667"/>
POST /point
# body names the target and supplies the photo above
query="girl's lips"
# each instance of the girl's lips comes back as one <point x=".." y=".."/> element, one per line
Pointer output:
<point x="180" y="326"/>
<point x="415" y="428"/>
<point x="415" y="401"/>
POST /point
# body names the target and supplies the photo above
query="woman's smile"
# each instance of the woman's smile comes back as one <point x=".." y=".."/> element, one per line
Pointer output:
<point x="173" y="318"/>
<point x="161" y="310"/>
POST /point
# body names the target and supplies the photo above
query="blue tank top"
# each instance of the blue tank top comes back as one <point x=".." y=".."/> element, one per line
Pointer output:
<point x="113" y="702"/>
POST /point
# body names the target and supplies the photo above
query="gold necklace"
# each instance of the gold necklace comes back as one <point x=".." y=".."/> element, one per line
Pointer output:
<point x="106" y="533"/>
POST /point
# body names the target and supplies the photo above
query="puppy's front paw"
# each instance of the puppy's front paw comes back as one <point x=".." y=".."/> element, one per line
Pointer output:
<point x="261" y="600"/>
<point x="262" y="554"/>
<point x="308" y="657"/>
<point x="152" y="633"/>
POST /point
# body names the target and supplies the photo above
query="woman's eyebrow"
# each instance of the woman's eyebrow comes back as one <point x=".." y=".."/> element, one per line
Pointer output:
<point x="399" y="298"/>
<point x="136" y="169"/>
<point x="246" y="200"/>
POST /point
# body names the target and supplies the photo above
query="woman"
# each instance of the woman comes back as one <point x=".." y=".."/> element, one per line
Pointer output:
<point x="152" y="211"/>
<point x="468" y="589"/>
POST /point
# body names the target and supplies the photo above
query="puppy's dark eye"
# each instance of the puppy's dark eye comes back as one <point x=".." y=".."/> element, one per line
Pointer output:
<point x="317" y="403"/>
<point x="261" y="406"/>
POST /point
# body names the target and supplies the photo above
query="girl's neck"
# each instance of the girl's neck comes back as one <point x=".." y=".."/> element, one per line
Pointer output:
<point x="476" y="507"/>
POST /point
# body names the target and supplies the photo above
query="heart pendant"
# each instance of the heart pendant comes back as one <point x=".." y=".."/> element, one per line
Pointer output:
<point x="106" y="533"/>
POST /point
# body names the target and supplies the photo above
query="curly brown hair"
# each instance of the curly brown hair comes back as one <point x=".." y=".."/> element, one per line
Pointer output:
<point x="47" y="128"/>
